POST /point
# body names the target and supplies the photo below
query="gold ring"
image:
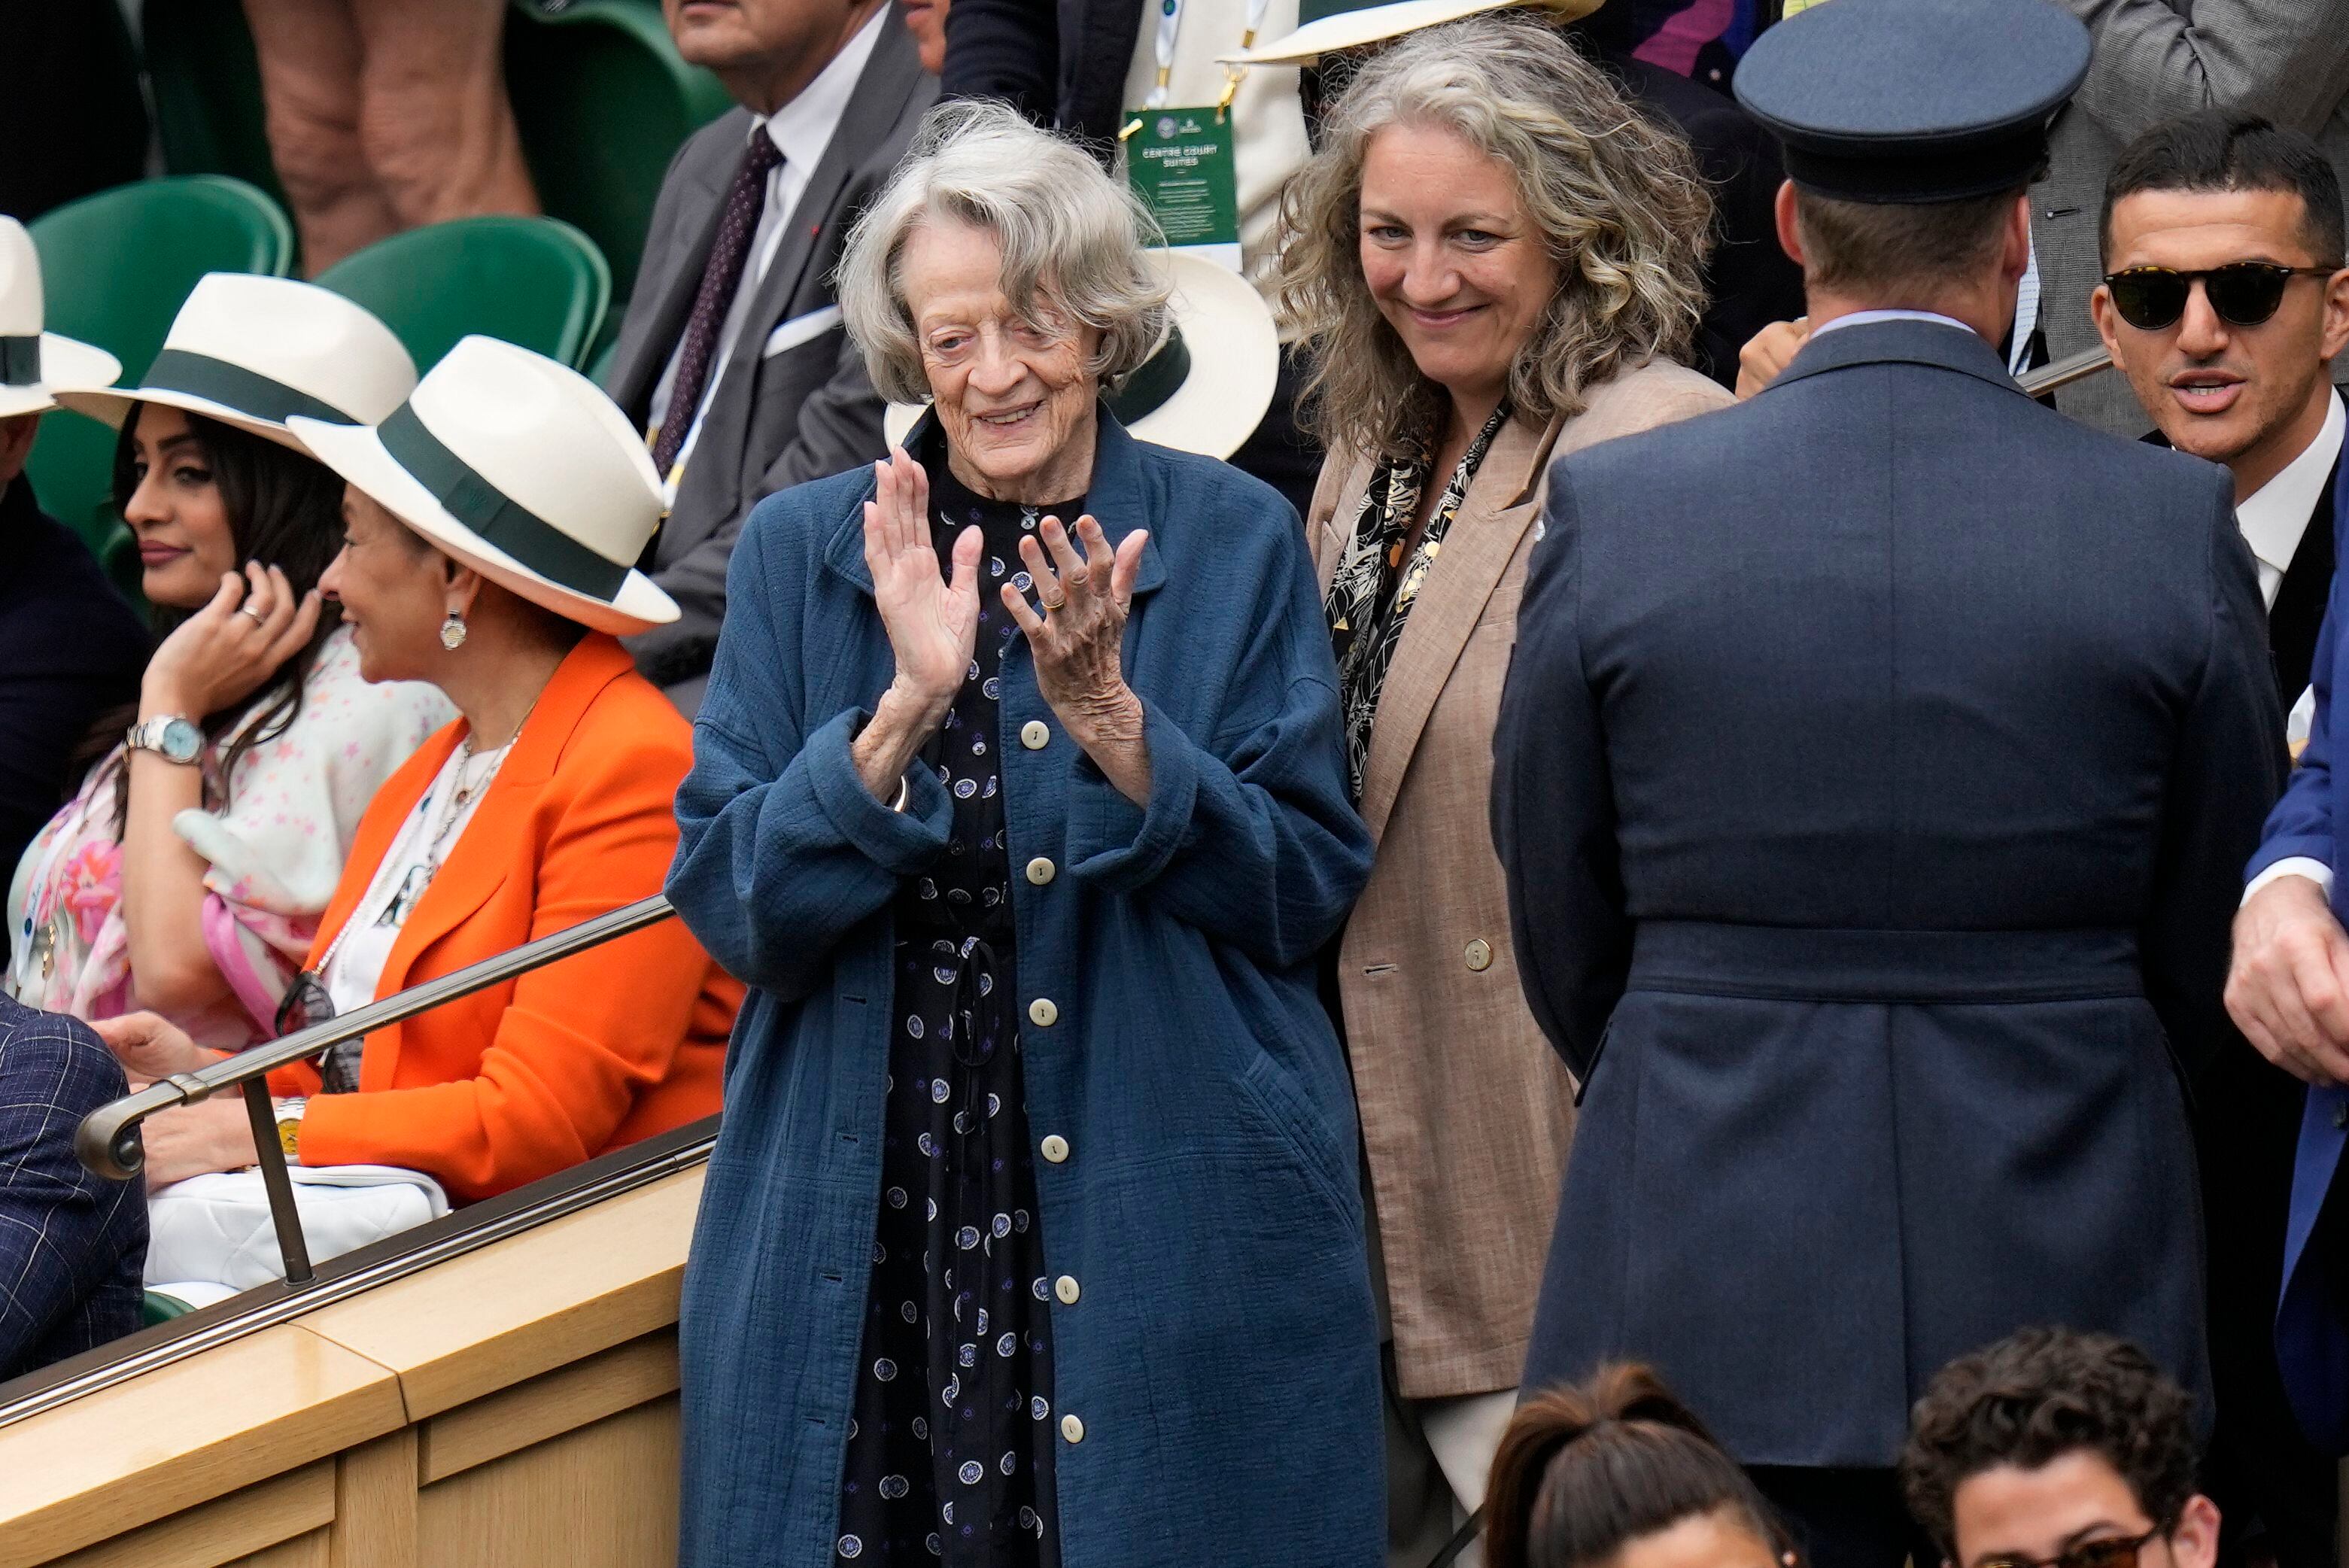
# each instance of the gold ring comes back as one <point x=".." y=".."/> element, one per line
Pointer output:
<point x="1051" y="604"/>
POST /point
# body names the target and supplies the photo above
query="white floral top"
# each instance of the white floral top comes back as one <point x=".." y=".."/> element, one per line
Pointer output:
<point x="274" y="837"/>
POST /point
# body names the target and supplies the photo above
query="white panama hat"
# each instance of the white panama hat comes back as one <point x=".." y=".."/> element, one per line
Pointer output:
<point x="35" y="366"/>
<point x="1326" y="28"/>
<point x="522" y="470"/>
<point x="250" y="351"/>
<point x="1209" y="382"/>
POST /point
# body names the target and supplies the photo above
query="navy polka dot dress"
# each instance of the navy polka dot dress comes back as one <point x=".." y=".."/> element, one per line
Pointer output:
<point x="951" y="1449"/>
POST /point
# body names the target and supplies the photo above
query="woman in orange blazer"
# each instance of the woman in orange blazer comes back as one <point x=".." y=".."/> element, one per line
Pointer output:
<point x="487" y="526"/>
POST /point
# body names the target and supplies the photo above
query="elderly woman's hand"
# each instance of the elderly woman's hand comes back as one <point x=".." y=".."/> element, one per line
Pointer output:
<point x="933" y="624"/>
<point x="1078" y="641"/>
<point x="197" y="1139"/>
<point x="150" y="1048"/>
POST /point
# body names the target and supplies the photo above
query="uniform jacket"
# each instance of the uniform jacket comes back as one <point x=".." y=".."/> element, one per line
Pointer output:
<point x="2155" y="60"/>
<point x="531" y="1077"/>
<point x="2312" y="1321"/>
<point x="1198" y="1173"/>
<point x="793" y="402"/>
<point x="71" y="1245"/>
<point x="1874" y="875"/>
<point x="1465" y="1112"/>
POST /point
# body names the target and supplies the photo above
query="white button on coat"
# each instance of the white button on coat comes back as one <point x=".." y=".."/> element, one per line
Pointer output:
<point x="1033" y="734"/>
<point x="1043" y="1012"/>
<point x="1065" y="1287"/>
<point x="1041" y="870"/>
<point x="1072" y="1429"/>
<point x="1054" y="1147"/>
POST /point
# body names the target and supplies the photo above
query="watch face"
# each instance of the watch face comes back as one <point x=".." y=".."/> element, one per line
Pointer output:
<point x="181" y="741"/>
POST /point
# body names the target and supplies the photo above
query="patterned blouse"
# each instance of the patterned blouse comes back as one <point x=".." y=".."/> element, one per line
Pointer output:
<point x="1372" y="594"/>
<point x="274" y="838"/>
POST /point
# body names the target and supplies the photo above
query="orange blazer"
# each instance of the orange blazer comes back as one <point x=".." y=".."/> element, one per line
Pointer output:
<point x="618" y="1043"/>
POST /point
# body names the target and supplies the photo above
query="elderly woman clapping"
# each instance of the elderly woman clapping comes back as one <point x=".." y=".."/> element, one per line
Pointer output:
<point x="1033" y="1233"/>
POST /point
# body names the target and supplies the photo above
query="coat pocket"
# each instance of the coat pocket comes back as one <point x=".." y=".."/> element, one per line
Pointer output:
<point x="1298" y="1128"/>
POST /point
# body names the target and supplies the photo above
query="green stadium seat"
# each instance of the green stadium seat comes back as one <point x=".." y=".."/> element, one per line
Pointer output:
<point x="537" y="281"/>
<point x="158" y="1307"/>
<point x="207" y="85"/>
<point x="602" y="101"/>
<point x="115" y="268"/>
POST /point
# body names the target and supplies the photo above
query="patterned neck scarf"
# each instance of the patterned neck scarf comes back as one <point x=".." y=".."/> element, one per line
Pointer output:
<point x="1371" y="596"/>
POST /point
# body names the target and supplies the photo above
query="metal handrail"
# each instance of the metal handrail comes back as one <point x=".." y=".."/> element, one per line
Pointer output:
<point x="108" y="1139"/>
<point x="2064" y="372"/>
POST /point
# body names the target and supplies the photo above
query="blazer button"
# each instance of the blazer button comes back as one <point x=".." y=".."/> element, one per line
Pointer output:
<point x="1040" y="870"/>
<point x="1054" y="1147"/>
<point x="1065" y="1287"/>
<point x="1480" y="955"/>
<point x="1033" y="734"/>
<point x="1043" y="1013"/>
<point x="1072" y="1429"/>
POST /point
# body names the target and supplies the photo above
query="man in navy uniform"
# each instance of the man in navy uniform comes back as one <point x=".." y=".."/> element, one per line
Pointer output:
<point x="1874" y="773"/>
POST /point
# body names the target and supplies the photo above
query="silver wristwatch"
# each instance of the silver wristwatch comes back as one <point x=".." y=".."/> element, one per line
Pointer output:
<point x="169" y="737"/>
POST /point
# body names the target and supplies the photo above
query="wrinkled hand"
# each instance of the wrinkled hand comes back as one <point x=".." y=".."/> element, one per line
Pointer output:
<point x="225" y="652"/>
<point x="933" y="623"/>
<point x="2287" y="989"/>
<point x="1078" y="639"/>
<point x="197" y="1139"/>
<point x="150" y="1048"/>
<point x="1769" y="352"/>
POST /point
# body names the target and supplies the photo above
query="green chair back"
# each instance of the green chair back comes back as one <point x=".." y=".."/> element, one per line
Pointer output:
<point x="207" y="85"/>
<point x="159" y="1308"/>
<point x="602" y="101"/>
<point x="537" y="281"/>
<point x="115" y="269"/>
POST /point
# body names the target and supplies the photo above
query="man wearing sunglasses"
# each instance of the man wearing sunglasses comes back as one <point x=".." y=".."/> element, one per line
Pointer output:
<point x="2054" y="1448"/>
<point x="2224" y="305"/>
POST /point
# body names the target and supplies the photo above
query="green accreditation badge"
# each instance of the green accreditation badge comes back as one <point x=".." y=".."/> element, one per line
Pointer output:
<point x="1180" y="163"/>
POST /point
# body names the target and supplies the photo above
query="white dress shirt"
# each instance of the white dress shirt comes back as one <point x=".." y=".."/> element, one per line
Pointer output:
<point x="801" y="130"/>
<point x="1865" y="317"/>
<point x="2272" y="518"/>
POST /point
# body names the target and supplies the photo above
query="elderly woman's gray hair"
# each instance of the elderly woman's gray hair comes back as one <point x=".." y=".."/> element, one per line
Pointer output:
<point x="1071" y="239"/>
<point x="1618" y="200"/>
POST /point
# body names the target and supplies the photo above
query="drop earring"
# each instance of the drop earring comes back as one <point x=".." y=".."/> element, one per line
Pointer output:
<point x="452" y="631"/>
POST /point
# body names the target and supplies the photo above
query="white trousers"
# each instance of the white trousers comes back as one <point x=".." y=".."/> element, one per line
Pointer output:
<point x="1438" y="1455"/>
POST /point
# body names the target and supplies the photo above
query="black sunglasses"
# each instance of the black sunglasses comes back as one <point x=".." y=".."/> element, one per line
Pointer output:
<point x="2118" y="1553"/>
<point x="2244" y="294"/>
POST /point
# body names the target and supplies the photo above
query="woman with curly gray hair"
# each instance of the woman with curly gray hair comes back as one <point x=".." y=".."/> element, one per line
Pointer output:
<point x="1033" y="1235"/>
<point x="1492" y="260"/>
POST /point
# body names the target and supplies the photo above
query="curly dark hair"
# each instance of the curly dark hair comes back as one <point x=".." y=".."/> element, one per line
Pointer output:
<point x="2037" y="1396"/>
<point x="1582" y="1470"/>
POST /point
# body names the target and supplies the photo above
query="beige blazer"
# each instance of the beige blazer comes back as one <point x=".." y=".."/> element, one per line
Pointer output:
<point x="1466" y="1112"/>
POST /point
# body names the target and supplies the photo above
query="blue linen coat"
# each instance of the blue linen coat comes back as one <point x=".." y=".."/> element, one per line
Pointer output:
<point x="1223" y="1354"/>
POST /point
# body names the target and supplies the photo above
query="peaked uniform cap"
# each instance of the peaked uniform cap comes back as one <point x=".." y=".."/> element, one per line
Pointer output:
<point x="36" y="365"/>
<point x="522" y="469"/>
<point x="1330" y="26"/>
<point x="252" y="352"/>
<point x="1914" y="101"/>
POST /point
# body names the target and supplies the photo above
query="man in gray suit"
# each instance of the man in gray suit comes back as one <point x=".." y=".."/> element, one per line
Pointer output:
<point x="732" y="356"/>
<point x="2286" y="61"/>
<point x="1872" y="780"/>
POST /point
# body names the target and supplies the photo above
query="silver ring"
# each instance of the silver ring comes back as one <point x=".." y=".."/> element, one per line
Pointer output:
<point x="258" y="618"/>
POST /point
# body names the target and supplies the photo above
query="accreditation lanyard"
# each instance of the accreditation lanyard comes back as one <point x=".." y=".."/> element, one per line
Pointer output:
<point x="1170" y="26"/>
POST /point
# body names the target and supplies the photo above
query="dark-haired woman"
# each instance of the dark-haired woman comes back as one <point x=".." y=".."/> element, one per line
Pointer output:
<point x="187" y="873"/>
<point x="1616" y="1471"/>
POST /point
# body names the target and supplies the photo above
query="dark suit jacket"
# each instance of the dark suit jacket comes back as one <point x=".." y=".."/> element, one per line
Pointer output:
<point x="804" y="412"/>
<point x="72" y="1246"/>
<point x="1065" y="65"/>
<point x="71" y="648"/>
<point x="1875" y="881"/>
